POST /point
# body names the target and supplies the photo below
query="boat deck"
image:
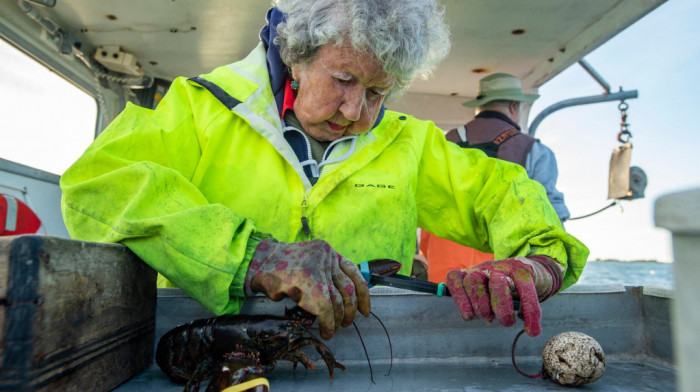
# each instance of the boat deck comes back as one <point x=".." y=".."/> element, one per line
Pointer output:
<point x="444" y="376"/>
<point x="434" y="350"/>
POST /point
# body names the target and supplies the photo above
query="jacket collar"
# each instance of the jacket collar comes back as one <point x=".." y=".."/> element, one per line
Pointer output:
<point x="277" y="70"/>
<point x="499" y="116"/>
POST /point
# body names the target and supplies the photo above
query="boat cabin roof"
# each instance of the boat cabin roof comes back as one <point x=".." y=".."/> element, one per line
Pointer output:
<point x="533" y="40"/>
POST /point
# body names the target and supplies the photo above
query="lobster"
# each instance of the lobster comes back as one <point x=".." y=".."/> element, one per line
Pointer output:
<point x="237" y="348"/>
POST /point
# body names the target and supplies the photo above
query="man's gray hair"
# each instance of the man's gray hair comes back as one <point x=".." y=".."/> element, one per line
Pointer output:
<point x="409" y="37"/>
<point x="500" y="103"/>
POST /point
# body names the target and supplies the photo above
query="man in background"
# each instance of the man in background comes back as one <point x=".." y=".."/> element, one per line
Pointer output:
<point x="496" y="131"/>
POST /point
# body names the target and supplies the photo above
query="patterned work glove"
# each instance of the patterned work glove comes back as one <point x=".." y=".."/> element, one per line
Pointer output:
<point x="486" y="290"/>
<point x="313" y="275"/>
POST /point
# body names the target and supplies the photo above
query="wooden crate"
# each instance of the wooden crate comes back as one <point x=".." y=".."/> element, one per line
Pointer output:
<point x="74" y="315"/>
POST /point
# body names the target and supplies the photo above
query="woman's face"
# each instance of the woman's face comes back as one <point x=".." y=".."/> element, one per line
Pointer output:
<point x="340" y="92"/>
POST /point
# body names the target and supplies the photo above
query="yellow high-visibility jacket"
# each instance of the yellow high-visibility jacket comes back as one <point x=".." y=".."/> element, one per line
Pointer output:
<point x="192" y="186"/>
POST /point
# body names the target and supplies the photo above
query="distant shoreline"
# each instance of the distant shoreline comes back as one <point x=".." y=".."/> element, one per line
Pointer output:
<point x="628" y="261"/>
<point x="634" y="273"/>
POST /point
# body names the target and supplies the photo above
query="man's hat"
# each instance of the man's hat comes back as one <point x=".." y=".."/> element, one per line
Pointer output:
<point x="500" y="86"/>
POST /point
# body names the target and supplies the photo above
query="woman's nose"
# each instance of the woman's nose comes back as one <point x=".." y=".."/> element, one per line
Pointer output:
<point x="353" y="102"/>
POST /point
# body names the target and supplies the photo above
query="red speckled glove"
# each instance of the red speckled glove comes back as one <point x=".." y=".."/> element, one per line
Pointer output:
<point x="486" y="290"/>
<point x="313" y="275"/>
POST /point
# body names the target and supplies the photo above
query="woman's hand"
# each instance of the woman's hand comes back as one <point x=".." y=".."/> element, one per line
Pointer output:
<point x="313" y="275"/>
<point x="486" y="290"/>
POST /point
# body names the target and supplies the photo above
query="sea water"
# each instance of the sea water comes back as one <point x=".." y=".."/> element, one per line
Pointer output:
<point x="628" y="273"/>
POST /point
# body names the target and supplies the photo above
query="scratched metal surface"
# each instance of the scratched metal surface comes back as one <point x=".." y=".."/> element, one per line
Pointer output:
<point x="434" y="350"/>
<point x="444" y="376"/>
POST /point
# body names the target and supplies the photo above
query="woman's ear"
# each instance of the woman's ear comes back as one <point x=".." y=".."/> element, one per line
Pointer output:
<point x="294" y="72"/>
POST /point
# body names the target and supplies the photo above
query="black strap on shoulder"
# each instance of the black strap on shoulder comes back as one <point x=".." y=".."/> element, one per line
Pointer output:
<point x="219" y="93"/>
<point x="491" y="148"/>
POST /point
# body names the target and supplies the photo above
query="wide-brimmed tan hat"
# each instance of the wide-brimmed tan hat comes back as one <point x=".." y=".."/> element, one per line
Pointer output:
<point x="500" y="86"/>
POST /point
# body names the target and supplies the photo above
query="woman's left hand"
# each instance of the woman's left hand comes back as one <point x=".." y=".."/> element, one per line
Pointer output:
<point x="486" y="290"/>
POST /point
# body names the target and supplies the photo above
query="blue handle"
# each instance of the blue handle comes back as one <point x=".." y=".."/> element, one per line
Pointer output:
<point x="364" y="270"/>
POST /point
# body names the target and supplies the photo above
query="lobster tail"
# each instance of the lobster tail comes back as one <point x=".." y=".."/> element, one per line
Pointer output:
<point x="182" y="351"/>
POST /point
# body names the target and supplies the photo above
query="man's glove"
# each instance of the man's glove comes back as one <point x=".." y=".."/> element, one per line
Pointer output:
<point x="486" y="290"/>
<point x="313" y="275"/>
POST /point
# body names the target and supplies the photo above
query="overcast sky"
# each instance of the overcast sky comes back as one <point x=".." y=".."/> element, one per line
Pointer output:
<point x="658" y="56"/>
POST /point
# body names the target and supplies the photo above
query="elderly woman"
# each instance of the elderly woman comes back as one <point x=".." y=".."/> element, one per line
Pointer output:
<point x="277" y="173"/>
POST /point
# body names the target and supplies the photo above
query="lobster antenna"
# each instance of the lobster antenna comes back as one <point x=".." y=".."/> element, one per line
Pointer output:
<point x="391" y="350"/>
<point x="512" y="355"/>
<point x="371" y="374"/>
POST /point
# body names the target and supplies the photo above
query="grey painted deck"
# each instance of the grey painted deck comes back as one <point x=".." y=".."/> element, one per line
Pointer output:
<point x="434" y="350"/>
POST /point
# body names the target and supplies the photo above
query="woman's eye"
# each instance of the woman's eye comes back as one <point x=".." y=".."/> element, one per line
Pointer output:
<point x="376" y="92"/>
<point x="343" y="78"/>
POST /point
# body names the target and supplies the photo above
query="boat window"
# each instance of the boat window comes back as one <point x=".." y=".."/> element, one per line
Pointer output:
<point x="45" y="121"/>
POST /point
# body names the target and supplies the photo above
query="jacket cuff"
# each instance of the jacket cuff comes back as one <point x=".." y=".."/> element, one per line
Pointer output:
<point x="237" y="288"/>
<point x="548" y="275"/>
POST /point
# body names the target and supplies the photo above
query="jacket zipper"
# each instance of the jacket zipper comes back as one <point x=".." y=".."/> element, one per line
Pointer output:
<point x="304" y="222"/>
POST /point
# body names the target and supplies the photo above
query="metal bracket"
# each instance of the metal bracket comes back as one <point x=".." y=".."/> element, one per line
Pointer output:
<point x="605" y="97"/>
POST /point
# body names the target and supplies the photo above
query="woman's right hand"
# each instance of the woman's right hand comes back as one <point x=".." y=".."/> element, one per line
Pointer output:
<point x="313" y="275"/>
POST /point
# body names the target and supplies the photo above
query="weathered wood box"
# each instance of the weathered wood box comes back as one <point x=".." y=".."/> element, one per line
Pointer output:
<point x="74" y="315"/>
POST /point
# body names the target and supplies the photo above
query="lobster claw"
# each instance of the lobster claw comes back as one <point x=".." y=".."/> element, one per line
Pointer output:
<point x="382" y="267"/>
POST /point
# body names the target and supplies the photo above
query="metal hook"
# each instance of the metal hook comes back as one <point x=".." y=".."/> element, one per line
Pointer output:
<point x="624" y="135"/>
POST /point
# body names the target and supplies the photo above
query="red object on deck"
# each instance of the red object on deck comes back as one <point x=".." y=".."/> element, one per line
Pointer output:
<point x="16" y="217"/>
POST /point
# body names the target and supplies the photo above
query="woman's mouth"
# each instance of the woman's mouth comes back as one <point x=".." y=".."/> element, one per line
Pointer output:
<point x="335" y="127"/>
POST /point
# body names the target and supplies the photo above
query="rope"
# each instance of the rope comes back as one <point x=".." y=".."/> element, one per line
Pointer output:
<point x="596" y="212"/>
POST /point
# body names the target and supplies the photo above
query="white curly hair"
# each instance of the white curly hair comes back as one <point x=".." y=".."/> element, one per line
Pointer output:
<point x="408" y="37"/>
